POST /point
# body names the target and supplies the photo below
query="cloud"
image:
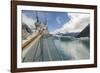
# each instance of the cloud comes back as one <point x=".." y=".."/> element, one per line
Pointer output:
<point x="58" y="20"/>
<point x="28" y="21"/>
<point x="76" y="23"/>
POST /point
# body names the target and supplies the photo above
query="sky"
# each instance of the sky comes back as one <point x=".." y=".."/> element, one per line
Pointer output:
<point x="58" y="22"/>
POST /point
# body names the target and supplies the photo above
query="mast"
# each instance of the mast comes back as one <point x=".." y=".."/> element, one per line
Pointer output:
<point x="37" y="19"/>
<point x="46" y="23"/>
<point x="37" y="23"/>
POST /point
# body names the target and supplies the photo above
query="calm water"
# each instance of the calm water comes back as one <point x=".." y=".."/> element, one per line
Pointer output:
<point x="74" y="48"/>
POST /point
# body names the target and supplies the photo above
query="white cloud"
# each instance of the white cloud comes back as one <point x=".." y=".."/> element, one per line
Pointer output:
<point x="76" y="23"/>
<point x="58" y="20"/>
<point x="27" y="20"/>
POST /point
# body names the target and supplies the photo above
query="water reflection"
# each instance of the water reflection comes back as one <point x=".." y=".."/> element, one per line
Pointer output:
<point x="74" y="49"/>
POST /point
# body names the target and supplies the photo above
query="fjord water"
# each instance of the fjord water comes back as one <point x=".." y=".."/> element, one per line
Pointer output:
<point x="74" y="48"/>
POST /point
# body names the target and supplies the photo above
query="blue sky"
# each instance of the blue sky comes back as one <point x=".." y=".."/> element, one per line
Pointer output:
<point x="55" y="20"/>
